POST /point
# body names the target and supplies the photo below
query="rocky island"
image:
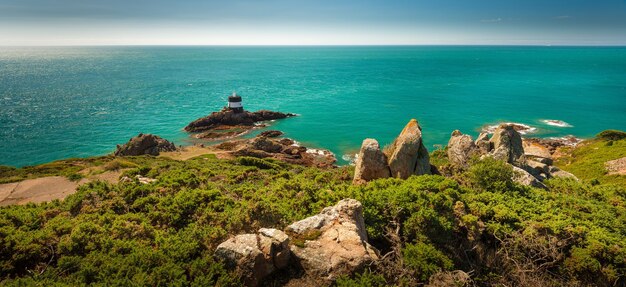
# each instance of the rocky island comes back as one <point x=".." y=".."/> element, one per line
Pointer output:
<point x="232" y="121"/>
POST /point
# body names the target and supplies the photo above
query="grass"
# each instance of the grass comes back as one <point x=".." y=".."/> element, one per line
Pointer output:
<point x="586" y="161"/>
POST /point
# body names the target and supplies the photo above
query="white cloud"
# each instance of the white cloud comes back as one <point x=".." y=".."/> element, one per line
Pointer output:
<point x="495" y="20"/>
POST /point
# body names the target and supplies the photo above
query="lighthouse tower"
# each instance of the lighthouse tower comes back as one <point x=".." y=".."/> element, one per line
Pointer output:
<point x="234" y="103"/>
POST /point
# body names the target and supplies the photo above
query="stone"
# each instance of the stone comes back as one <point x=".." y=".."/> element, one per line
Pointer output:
<point x="557" y="172"/>
<point x="537" y="167"/>
<point x="482" y="143"/>
<point x="266" y="145"/>
<point x="255" y="256"/>
<point x="333" y="242"/>
<point x="616" y="167"/>
<point x="544" y="160"/>
<point x="144" y="144"/>
<point x="407" y="154"/>
<point x="460" y="149"/>
<point x="507" y="145"/>
<point x="271" y="134"/>
<point x="371" y="163"/>
<point x="536" y="149"/>
<point x="525" y="178"/>
<point x="226" y="119"/>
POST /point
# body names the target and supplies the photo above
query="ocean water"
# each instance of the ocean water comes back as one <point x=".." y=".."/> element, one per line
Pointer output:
<point x="61" y="102"/>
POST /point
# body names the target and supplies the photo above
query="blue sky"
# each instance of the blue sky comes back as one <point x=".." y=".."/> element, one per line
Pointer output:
<point x="312" y="22"/>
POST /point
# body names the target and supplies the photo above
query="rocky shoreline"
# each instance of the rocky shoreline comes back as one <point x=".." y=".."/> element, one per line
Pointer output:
<point x="228" y="123"/>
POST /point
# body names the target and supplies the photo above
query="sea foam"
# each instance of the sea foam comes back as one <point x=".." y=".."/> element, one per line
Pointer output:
<point x="557" y="123"/>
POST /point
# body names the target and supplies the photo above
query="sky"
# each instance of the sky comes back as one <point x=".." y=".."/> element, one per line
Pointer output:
<point x="312" y="22"/>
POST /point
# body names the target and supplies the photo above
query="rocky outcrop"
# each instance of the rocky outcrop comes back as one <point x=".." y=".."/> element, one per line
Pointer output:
<point x="525" y="178"/>
<point x="371" y="163"/>
<point x="283" y="149"/>
<point x="461" y="148"/>
<point x="507" y="145"/>
<point x="407" y="154"/>
<point x="255" y="256"/>
<point x="616" y="167"/>
<point x="226" y="119"/>
<point x="333" y="242"/>
<point x="271" y="134"/>
<point x="144" y="144"/>
<point x="483" y="144"/>
<point x="321" y="247"/>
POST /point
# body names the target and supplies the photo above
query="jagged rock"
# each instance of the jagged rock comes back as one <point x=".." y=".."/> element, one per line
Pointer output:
<point x="271" y="134"/>
<point x="557" y="172"/>
<point x="460" y="149"/>
<point x="144" y="144"/>
<point x="407" y="154"/>
<point x="255" y="256"/>
<point x="371" y="163"/>
<point x="536" y="149"/>
<point x="266" y="145"/>
<point x="228" y="118"/>
<point x="333" y="242"/>
<point x="537" y="167"/>
<point x="482" y="143"/>
<point x="543" y="160"/>
<point x="507" y="145"/>
<point x="523" y="177"/>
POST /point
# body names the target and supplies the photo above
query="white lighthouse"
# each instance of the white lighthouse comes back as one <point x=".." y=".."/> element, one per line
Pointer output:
<point x="234" y="103"/>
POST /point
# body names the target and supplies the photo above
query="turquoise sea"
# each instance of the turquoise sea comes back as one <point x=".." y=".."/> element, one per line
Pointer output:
<point x="61" y="102"/>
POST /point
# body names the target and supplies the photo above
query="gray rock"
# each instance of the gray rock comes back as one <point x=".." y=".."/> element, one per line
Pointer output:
<point x="371" y="163"/>
<point x="523" y="177"/>
<point x="333" y="243"/>
<point x="537" y="167"/>
<point x="144" y="144"/>
<point x="507" y="145"/>
<point x="255" y="256"/>
<point x="557" y="172"/>
<point x="407" y="154"/>
<point x="460" y="149"/>
<point x="482" y="143"/>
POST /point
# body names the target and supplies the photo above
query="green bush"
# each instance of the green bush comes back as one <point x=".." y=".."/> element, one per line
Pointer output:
<point x="611" y="135"/>
<point x="425" y="260"/>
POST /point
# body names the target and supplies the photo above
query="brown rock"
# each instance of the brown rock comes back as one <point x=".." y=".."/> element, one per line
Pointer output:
<point x="482" y="143"/>
<point x="371" y="163"/>
<point x="407" y="154"/>
<point x="525" y="178"/>
<point x="271" y="134"/>
<point x="144" y="144"/>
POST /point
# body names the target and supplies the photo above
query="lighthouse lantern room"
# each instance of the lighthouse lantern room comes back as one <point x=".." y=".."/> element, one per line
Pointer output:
<point x="234" y="103"/>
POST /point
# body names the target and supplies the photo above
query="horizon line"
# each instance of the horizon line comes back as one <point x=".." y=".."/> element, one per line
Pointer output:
<point x="319" y="45"/>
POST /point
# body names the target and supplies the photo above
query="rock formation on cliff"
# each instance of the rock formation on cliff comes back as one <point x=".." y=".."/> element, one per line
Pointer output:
<point x="371" y="163"/>
<point x="406" y="156"/>
<point x="531" y="161"/>
<point x="323" y="247"/>
<point x="144" y="144"/>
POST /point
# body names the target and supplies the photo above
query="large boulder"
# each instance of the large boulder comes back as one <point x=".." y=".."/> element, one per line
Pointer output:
<point x="460" y="149"/>
<point x="255" y="256"/>
<point x="507" y="145"/>
<point x="371" y="163"/>
<point x="557" y="172"/>
<point x="144" y="144"/>
<point x="332" y="243"/>
<point x="407" y="154"/>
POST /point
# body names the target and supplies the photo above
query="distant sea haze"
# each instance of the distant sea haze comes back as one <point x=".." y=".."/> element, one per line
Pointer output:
<point x="66" y="102"/>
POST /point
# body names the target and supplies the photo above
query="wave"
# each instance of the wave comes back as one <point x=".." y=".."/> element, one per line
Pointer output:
<point x="519" y="127"/>
<point x="350" y="158"/>
<point x="557" y="123"/>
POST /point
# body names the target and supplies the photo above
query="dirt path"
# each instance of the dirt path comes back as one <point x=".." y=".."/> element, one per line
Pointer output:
<point x="194" y="151"/>
<point x="47" y="188"/>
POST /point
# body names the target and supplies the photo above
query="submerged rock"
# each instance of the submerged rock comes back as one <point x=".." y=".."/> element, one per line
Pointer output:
<point x="332" y="243"/>
<point x="371" y="163"/>
<point x="407" y="154"/>
<point x="460" y="149"/>
<point x="144" y="144"/>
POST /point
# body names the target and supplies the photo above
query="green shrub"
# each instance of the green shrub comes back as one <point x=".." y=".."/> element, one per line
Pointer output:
<point x="257" y="162"/>
<point x="611" y="135"/>
<point x="425" y="260"/>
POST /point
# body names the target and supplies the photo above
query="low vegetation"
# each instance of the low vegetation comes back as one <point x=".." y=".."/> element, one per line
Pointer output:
<point x="164" y="233"/>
